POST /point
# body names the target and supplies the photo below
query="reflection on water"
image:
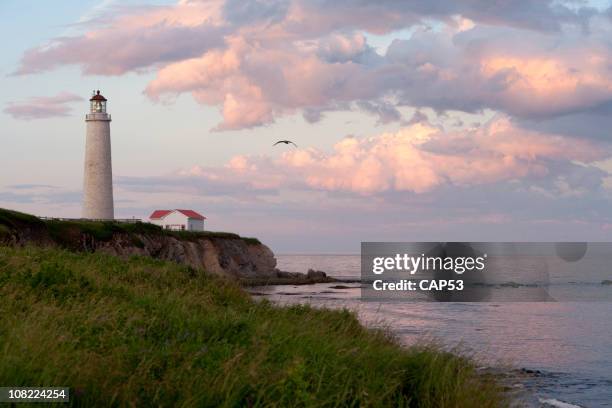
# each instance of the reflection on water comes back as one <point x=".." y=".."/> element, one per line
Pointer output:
<point x="570" y="342"/>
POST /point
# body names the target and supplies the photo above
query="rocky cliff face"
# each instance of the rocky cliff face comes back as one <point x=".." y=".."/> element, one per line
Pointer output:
<point x="220" y="253"/>
<point x="232" y="257"/>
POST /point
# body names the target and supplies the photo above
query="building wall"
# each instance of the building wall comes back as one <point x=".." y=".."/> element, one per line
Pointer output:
<point x="176" y="219"/>
<point x="196" y="225"/>
<point x="157" y="222"/>
<point x="98" y="177"/>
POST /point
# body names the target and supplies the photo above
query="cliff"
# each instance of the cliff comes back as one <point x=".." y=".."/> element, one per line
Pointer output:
<point x="220" y="253"/>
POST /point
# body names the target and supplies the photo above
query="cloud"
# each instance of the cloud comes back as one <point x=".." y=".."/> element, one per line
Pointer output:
<point x="42" y="107"/>
<point x="40" y="194"/>
<point x="134" y="39"/>
<point x="385" y="111"/>
<point x="210" y="182"/>
<point x="448" y="70"/>
<point x="386" y="15"/>
<point x="595" y="124"/>
<point x="422" y="158"/>
<point x="247" y="12"/>
<point x="481" y="68"/>
<point x="540" y="76"/>
<point x="30" y="186"/>
<point x="258" y="60"/>
<point x="417" y="159"/>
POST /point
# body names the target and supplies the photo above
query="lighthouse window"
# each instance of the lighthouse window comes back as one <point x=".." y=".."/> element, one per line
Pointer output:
<point x="98" y="106"/>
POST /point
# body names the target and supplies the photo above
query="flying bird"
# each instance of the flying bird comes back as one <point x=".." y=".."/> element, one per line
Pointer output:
<point x="285" y="142"/>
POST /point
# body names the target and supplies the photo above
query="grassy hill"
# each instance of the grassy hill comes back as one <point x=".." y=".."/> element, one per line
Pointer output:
<point x="142" y="332"/>
<point x="66" y="233"/>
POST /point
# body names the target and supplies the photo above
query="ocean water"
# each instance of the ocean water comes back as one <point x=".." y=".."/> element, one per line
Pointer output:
<point x="567" y="344"/>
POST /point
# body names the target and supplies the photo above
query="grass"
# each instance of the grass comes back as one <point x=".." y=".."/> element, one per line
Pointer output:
<point x="15" y="219"/>
<point x="193" y="235"/>
<point x="142" y="332"/>
<point x="68" y="233"/>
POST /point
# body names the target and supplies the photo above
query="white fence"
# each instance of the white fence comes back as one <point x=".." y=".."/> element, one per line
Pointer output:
<point x="121" y="220"/>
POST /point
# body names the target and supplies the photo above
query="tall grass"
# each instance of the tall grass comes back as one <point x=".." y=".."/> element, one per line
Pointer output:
<point x="142" y="332"/>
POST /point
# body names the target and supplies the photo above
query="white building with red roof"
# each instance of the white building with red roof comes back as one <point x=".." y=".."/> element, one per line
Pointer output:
<point x="178" y="220"/>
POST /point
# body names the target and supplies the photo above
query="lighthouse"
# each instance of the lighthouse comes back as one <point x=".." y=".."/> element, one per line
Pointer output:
<point x="98" y="180"/>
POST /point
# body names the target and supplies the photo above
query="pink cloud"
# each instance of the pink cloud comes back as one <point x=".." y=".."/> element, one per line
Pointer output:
<point x="421" y="158"/>
<point x="252" y="84"/>
<point x="545" y="84"/>
<point x="42" y="107"/>
<point x="466" y="68"/>
<point x="134" y="39"/>
<point x="260" y="60"/>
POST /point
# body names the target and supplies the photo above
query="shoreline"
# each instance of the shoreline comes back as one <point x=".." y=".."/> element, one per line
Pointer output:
<point x="527" y="381"/>
<point x="311" y="277"/>
<point x="292" y="279"/>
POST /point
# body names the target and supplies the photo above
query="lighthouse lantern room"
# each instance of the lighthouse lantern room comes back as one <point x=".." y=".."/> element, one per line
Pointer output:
<point x="97" y="103"/>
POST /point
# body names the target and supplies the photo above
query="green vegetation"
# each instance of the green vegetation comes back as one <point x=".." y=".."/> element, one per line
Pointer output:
<point x="68" y="233"/>
<point x="4" y="230"/>
<point x="17" y="219"/>
<point x="191" y="235"/>
<point x="142" y="332"/>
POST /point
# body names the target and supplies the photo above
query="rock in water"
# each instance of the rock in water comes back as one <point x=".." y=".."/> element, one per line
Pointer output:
<point x="312" y="274"/>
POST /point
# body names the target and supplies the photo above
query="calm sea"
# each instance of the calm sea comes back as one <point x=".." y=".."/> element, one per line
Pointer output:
<point x="569" y="343"/>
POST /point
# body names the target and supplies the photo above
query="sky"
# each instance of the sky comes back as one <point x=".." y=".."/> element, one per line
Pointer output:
<point x="415" y="121"/>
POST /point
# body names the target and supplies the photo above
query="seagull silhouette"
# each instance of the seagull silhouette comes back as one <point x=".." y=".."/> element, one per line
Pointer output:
<point x="285" y="142"/>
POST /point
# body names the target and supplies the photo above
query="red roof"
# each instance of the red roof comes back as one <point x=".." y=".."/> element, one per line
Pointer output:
<point x="159" y="214"/>
<point x="192" y="214"/>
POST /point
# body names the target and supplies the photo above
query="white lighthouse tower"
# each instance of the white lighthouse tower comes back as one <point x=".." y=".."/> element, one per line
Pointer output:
<point x="98" y="181"/>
